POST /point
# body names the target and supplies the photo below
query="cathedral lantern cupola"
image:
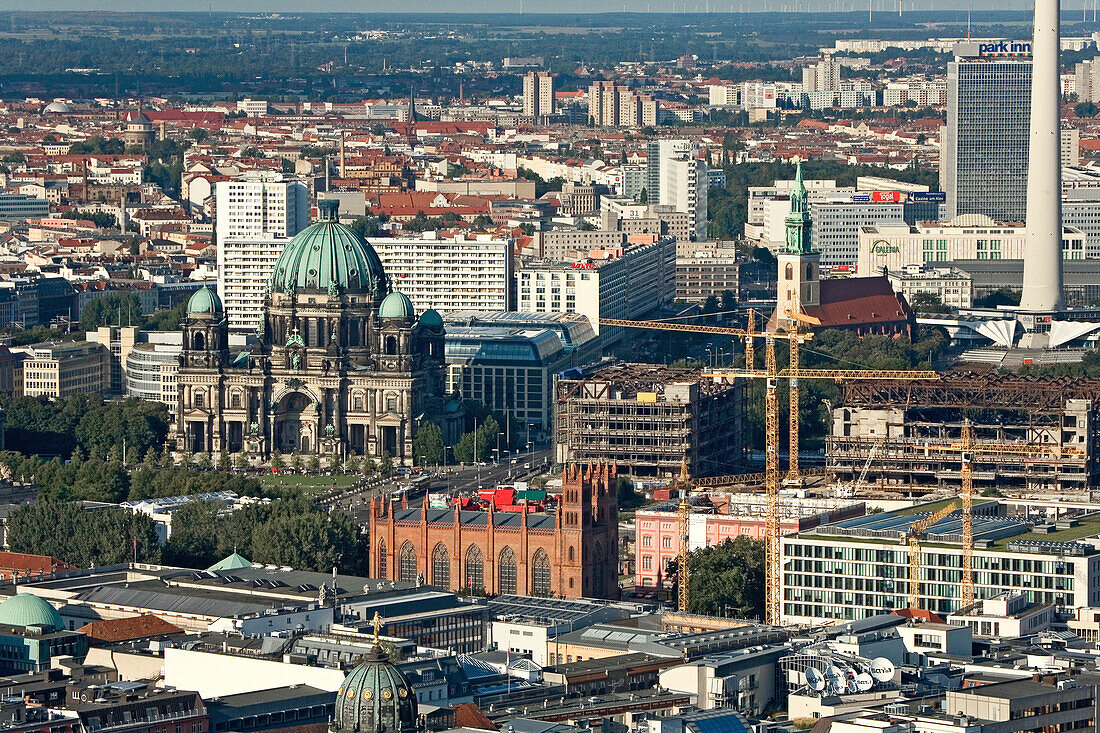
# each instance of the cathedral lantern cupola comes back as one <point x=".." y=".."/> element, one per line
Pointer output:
<point x="205" y="330"/>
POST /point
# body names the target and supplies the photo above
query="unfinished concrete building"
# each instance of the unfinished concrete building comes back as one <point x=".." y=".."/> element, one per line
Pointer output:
<point x="649" y="418"/>
<point x="907" y="434"/>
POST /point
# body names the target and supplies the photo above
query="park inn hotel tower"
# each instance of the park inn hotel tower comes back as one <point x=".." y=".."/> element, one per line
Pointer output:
<point x="341" y="364"/>
<point x="983" y="169"/>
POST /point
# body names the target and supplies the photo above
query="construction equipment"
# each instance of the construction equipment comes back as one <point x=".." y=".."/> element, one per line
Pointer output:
<point x="968" y="448"/>
<point x="912" y="537"/>
<point x="771" y="374"/>
<point x="682" y="512"/>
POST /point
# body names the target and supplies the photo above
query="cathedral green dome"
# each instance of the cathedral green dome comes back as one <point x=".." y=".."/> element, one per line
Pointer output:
<point x="396" y="305"/>
<point x="376" y="697"/>
<point x="328" y="255"/>
<point x="26" y="609"/>
<point x="204" y="302"/>
<point x="431" y="318"/>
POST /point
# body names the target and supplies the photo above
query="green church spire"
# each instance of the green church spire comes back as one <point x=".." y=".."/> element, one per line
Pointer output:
<point x="798" y="220"/>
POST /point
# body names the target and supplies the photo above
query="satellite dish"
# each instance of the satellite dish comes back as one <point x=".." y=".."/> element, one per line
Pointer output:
<point x="833" y="673"/>
<point x="882" y="669"/>
<point x="864" y="682"/>
<point x="838" y="685"/>
<point x="815" y="679"/>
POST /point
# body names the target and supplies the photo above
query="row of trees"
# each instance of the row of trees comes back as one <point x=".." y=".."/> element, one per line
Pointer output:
<point x="289" y="531"/>
<point x="124" y="309"/>
<point x="95" y="479"/>
<point x="40" y="426"/>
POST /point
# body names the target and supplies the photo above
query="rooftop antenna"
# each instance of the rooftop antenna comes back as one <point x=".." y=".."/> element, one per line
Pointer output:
<point x="968" y="22"/>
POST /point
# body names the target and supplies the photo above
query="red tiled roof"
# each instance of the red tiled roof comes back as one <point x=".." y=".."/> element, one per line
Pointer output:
<point x="468" y="715"/>
<point x="126" y="629"/>
<point x="858" y="300"/>
<point x="919" y="613"/>
<point x="30" y="564"/>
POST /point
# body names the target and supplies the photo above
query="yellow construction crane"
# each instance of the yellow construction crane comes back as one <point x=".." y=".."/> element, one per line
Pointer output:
<point x="912" y="536"/>
<point x="968" y="448"/>
<point x="771" y="374"/>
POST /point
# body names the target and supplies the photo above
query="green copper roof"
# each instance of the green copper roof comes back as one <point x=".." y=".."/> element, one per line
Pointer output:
<point x="233" y="562"/>
<point x="431" y="318"/>
<point x="329" y="257"/>
<point x="376" y="697"/>
<point x="204" y="302"/>
<point x="396" y="305"/>
<point x="798" y="220"/>
<point x="25" y="609"/>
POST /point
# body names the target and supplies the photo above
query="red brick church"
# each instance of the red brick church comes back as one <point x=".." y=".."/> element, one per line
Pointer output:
<point x="567" y="553"/>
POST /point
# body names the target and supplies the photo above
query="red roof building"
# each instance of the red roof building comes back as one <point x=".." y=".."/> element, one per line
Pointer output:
<point x="21" y="566"/>
<point x="128" y="629"/>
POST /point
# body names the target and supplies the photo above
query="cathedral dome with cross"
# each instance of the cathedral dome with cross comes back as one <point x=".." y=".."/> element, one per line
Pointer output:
<point x="340" y="363"/>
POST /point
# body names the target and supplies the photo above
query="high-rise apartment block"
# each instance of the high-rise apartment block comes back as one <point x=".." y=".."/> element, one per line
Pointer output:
<point x="449" y="273"/>
<point x="610" y="105"/>
<point x="677" y="177"/>
<point x="824" y="76"/>
<point x="256" y="216"/>
<point x="538" y="94"/>
<point x="1087" y="81"/>
<point x="983" y="164"/>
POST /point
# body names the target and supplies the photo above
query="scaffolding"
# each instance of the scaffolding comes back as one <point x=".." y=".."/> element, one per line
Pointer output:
<point x="650" y="418"/>
<point x="913" y="425"/>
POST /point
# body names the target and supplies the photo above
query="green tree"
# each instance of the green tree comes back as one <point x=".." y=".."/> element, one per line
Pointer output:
<point x="727" y="579"/>
<point x="223" y="460"/>
<point x="385" y="465"/>
<point x="204" y="460"/>
<point x="194" y="540"/>
<point x="999" y="297"/>
<point x="1085" y="109"/>
<point x="352" y="465"/>
<point x="313" y="464"/>
<point x="628" y="497"/>
<point x="428" y="444"/>
<point x="296" y="462"/>
<point x="928" y="303"/>
<point x="112" y="309"/>
<point x="729" y="300"/>
<point x="82" y="538"/>
<point x="241" y="462"/>
<point x="277" y="461"/>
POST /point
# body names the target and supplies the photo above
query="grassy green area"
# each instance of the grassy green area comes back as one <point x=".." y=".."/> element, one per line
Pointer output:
<point x="1085" y="529"/>
<point x="311" y="484"/>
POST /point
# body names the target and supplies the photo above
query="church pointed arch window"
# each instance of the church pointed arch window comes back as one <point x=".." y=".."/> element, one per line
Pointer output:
<point x="408" y="563"/>
<point x="540" y="574"/>
<point x="507" y="572"/>
<point x="788" y="271"/>
<point x="809" y="271"/>
<point x="475" y="570"/>
<point x="441" y="567"/>
<point x="382" y="560"/>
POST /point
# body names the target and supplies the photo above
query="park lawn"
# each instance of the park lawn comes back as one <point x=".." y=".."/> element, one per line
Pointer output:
<point x="312" y="484"/>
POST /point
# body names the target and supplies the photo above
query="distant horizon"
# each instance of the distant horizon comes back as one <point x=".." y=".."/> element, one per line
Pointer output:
<point x="516" y="7"/>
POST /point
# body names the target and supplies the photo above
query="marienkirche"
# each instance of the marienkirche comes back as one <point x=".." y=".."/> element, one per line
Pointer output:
<point x="341" y="364"/>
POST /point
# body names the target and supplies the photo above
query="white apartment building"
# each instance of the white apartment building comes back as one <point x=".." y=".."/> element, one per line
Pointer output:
<point x="970" y="237"/>
<point x="256" y="217"/>
<point x="538" y="94"/>
<point x="684" y="188"/>
<point x="724" y="95"/>
<point x="450" y="273"/>
<point x="1087" y="81"/>
<point x="624" y="282"/>
<point x="758" y="95"/>
<point x="824" y="76"/>
<point x="951" y="286"/>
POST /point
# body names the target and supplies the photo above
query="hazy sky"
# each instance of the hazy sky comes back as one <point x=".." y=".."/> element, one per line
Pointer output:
<point x="529" y="6"/>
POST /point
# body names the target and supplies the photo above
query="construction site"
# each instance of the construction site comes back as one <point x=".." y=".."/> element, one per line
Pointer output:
<point x="1038" y="435"/>
<point x="651" y="419"/>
